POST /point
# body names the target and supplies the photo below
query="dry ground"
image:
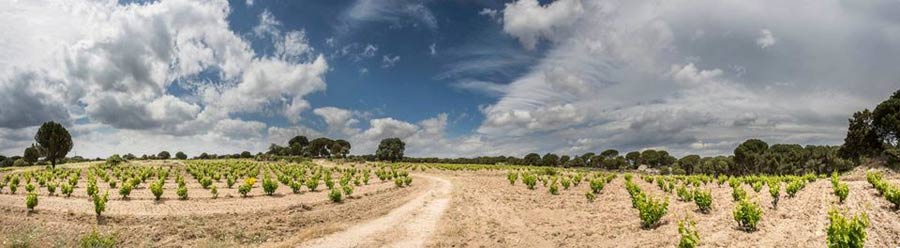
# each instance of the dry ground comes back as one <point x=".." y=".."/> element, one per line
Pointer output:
<point x="440" y="209"/>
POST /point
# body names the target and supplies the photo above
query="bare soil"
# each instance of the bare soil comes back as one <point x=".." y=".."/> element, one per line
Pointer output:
<point x="440" y="209"/>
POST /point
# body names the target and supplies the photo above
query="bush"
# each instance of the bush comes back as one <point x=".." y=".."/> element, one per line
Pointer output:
<point x="125" y="190"/>
<point x="566" y="183"/>
<point x="100" y="202"/>
<point x="651" y="210"/>
<point x="775" y="192"/>
<point x="205" y="182"/>
<point x="747" y="214"/>
<point x="97" y="240"/>
<point x="703" y="199"/>
<point x="794" y="187"/>
<point x="269" y="186"/>
<point x="13" y="188"/>
<point x="112" y="184"/>
<point x="296" y="187"/>
<point x="689" y="236"/>
<point x="512" y="176"/>
<point x="684" y="194"/>
<point x="892" y="194"/>
<point x="738" y="193"/>
<point x="214" y="191"/>
<point x="597" y="185"/>
<point x="757" y="186"/>
<point x="312" y="184"/>
<point x="407" y="180"/>
<point x="230" y="180"/>
<point x="398" y="181"/>
<point x="157" y="189"/>
<point x="348" y="190"/>
<point x="590" y="196"/>
<point x="182" y="192"/>
<point x="31" y="201"/>
<point x="335" y="195"/>
<point x="51" y="188"/>
<point x="846" y="233"/>
<point x="92" y="188"/>
<point x="554" y="188"/>
<point x="530" y="180"/>
<point x="66" y="189"/>
<point x="841" y="190"/>
<point x="29" y="188"/>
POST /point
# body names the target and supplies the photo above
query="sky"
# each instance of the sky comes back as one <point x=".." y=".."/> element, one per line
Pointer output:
<point x="452" y="78"/>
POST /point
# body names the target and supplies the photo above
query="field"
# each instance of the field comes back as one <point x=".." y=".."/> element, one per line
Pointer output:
<point x="437" y="206"/>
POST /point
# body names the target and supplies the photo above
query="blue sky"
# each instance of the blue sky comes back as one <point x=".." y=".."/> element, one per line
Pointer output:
<point x="451" y="78"/>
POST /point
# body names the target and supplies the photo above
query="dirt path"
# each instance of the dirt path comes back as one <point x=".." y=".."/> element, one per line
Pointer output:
<point x="410" y="225"/>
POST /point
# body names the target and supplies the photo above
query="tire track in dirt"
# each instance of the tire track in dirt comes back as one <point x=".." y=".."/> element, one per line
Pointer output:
<point x="410" y="225"/>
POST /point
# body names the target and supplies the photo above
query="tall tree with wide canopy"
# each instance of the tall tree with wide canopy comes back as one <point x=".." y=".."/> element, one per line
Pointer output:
<point x="390" y="149"/>
<point x="749" y="155"/>
<point x="55" y="141"/>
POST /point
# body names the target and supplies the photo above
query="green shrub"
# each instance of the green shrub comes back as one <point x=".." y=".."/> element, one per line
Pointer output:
<point x="597" y="185"/>
<point x="775" y="192"/>
<point x="398" y="181"/>
<point x="100" y="202"/>
<point x="747" y="214"/>
<point x="703" y="199"/>
<point x="348" y="190"/>
<point x="590" y="196"/>
<point x="512" y="176"/>
<point x="125" y="190"/>
<point x="269" y="186"/>
<point x="684" y="194"/>
<point x="530" y="180"/>
<point x="794" y="187"/>
<point x="92" y="188"/>
<point x="651" y="210"/>
<point x="841" y="190"/>
<point x="757" y="186"/>
<point x="13" y="188"/>
<point x="157" y="189"/>
<point x="329" y="183"/>
<point x="566" y="183"/>
<point x="407" y="180"/>
<point x="31" y="201"/>
<point x="97" y="240"/>
<point x="230" y="181"/>
<point x="892" y="194"/>
<point x="296" y="187"/>
<point x="846" y="233"/>
<point x="689" y="236"/>
<point x="182" y="192"/>
<point x="554" y="188"/>
<point x="312" y="184"/>
<point x="66" y="189"/>
<point x="205" y="182"/>
<point x="214" y="191"/>
<point x="29" y="188"/>
<point x="738" y="193"/>
<point x="335" y="195"/>
<point x="51" y="188"/>
<point x="112" y="184"/>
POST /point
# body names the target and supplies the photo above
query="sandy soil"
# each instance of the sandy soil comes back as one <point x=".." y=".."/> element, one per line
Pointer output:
<point x="282" y="220"/>
<point x="410" y="225"/>
<point x="486" y="211"/>
<point x="440" y="209"/>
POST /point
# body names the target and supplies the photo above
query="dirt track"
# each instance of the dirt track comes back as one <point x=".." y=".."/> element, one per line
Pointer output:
<point x="410" y="225"/>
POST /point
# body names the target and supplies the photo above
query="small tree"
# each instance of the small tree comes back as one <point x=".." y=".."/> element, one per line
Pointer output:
<point x="55" y="141"/>
<point x="31" y="154"/>
<point x="163" y="155"/>
<point x="181" y="155"/>
<point x="390" y="149"/>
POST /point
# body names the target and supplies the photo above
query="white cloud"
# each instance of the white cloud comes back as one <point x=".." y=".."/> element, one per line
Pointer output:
<point x="339" y="120"/>
<point x="388" y="61"/>
<point x="528" y="21"/>
<point x="112" y="65"/>
<point x="483" y="87"/>
<point x="432" y="50"/>
<point x="398" y="12"/>
<point x="765" y="39"/>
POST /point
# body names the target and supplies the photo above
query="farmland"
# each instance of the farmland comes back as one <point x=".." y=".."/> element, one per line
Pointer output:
<point x="442" y="205"/>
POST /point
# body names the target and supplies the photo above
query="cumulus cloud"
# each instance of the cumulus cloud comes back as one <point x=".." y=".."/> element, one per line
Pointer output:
<point x="528" y="21"/>
<point x="113" y="65"/>
<point x="634" y="75"/>
<point x="765" y="39"/>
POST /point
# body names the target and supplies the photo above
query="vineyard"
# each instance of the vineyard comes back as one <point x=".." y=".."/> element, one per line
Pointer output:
<point x="244" y="202"/>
